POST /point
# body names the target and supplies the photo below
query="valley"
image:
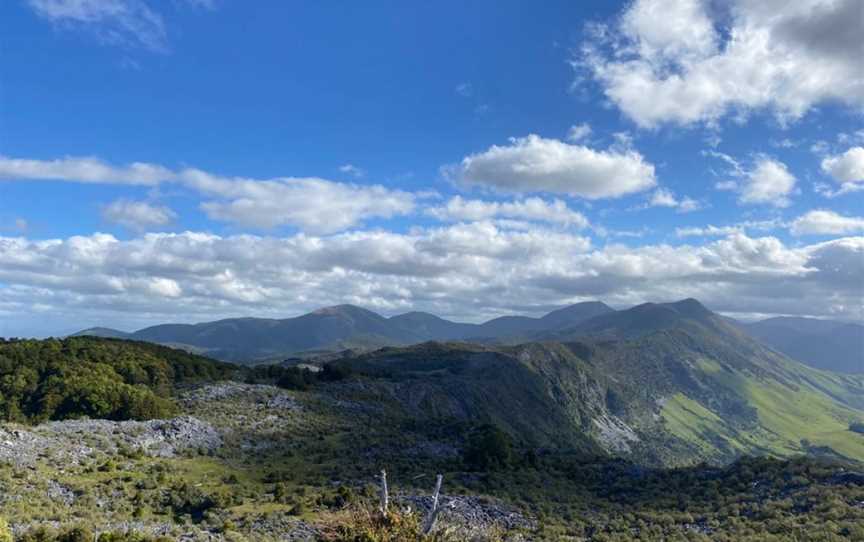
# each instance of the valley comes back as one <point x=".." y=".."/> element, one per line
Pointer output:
<point x="658" y="422"/>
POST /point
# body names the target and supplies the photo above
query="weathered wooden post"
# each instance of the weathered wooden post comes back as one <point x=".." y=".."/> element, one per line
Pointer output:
<point x="385" y="497"/>
<point x="433" y="513"/>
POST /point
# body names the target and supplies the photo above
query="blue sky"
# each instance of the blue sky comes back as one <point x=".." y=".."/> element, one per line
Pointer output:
<point x="471" y="159"/>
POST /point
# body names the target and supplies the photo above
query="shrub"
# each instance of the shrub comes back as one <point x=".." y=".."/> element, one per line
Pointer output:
<point x="5" y="532"/>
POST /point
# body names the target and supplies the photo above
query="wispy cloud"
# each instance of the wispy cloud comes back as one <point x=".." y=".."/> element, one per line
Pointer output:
<point x="130" y="23"/>
<point x="138" y="215"/>
<point x="353" y="170"/>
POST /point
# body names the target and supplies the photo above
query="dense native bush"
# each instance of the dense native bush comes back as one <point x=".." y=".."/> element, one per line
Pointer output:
<point x="488" y="448"/>
<point x="57" y="379"/>
<point x="297" y="378"/>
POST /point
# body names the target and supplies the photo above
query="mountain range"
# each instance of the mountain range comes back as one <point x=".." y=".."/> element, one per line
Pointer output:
<point x="663" y="384"/>
<point x="821" y="344"/>
<point x="342" y="327"/>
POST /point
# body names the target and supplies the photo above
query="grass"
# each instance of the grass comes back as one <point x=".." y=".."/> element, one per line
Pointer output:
<point x="793" y="419"/>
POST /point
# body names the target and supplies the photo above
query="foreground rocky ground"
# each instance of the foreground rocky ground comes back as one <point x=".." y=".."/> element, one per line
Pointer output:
<point x="257" y="462"/>
<point x="250" y="461"/>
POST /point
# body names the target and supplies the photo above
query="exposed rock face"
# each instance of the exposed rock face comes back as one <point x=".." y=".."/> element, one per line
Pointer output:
<point x="21" y="447"/>
<point x="157" y="438"/>
<point x="73" y="440"/>
<point x="258" y="396"/>
<point x="615" y="435"/>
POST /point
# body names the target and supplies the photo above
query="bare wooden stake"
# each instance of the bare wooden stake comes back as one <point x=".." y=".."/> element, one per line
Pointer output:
<point x="433" y="513"/>
<point x="385" y="497"/>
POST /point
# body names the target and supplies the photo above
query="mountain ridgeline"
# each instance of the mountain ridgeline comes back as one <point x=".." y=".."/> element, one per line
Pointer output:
<point x="823" y="344"/>
<point x="342" y="327"/>
<point x="662" y="384"/>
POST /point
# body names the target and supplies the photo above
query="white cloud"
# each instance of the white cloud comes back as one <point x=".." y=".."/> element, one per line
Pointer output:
<point x="663" y="197"/>
<point x="723" y="231"/>
<point x="578" y="132"/>
<point x="531" y="209"/>
<point x="767" y="181"/>
<point x="849" y="139"/>
<point x="83" y="170"/>
<point x="466" y="271"/>
<point x="465" y="90"/>
<point x="847" y="169"/>
<point x="353" y="170"/>
<point x="668" y="62"/>
<point x="708" y="231"/>
<point x="535" y="164"/>
<point x="784" y="143"/>
<point x="741" y="227"/>
<point x="128" y="22"/>
<point x="137" y="215"/>
<point x="317" y="205"/>
<point x="825" y="222"/>
<point x="686" y="33"/>
<point x="117" y="22"/>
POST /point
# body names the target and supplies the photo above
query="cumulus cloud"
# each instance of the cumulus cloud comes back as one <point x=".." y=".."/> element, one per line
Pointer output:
<point x="767" y="181"/>
<point x="465" y="271"/>
<point x="847" y="169"/>
<point x="667" y="61"/>
<point x="313" y="204"/>
<point x="137" y="215"/>
<point x="118" y="22"/>
<point x="536" y="164"/>
<point x="663" y="197"/>
<point x="531" y="209"/>
<point x="825" y="222"/>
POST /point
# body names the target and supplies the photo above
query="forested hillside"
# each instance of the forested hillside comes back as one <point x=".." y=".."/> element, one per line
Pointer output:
<point x="76" y="377"/>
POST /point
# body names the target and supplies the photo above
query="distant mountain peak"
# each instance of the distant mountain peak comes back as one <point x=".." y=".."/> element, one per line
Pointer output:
<point x="343" y="309"/>
<point x="577" y="312"/>
<point x="690" y="307"/>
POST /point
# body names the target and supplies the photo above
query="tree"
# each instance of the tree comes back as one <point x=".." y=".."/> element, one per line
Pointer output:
<point x="488" y="448"/>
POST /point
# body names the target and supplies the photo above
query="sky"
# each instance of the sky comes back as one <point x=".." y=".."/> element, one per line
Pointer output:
<point x="190" y="160"/>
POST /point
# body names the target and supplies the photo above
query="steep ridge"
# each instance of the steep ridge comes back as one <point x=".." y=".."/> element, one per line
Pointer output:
<point x="665" y="384"/>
